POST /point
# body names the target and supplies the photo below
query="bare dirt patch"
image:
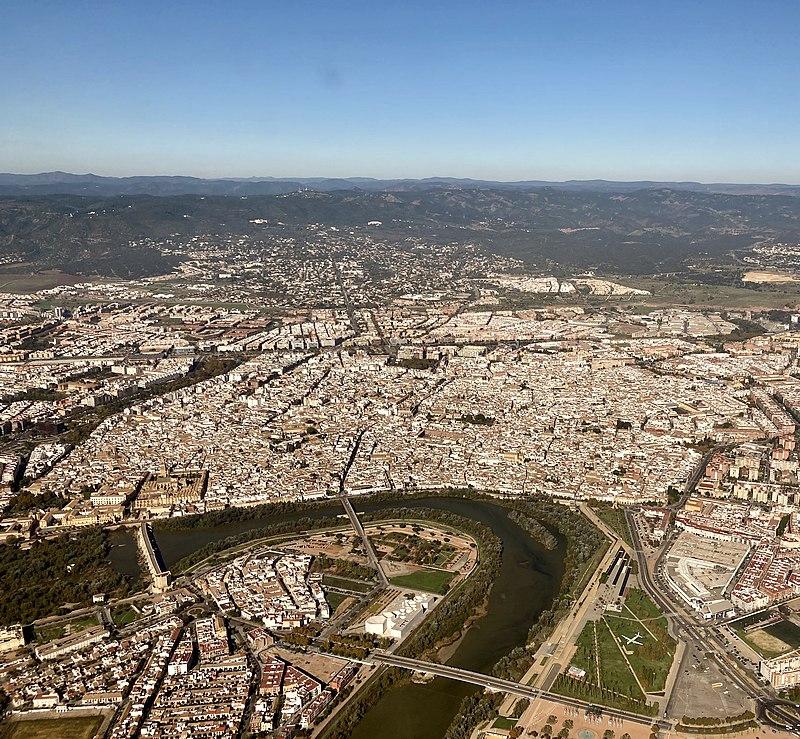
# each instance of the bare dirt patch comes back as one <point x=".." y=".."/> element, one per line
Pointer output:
<point x="763" y="276"/>
<point x="767" y="643"/>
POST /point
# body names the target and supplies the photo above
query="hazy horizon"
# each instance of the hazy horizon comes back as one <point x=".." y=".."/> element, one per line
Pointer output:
<point x="235" y="177"/>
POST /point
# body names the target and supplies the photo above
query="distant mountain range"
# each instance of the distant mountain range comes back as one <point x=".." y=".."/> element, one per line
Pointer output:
<point x="65" y="183"/>
<point x="642" y="231"/>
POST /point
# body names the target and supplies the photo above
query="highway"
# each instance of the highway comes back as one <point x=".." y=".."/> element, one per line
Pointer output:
<point x="502" y="686"/>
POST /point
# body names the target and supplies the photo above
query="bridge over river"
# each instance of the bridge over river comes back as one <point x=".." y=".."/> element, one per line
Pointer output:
<point x="504" y="686"/>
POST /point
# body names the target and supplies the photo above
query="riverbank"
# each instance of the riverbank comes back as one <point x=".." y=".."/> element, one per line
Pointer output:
<point x="444" y="627"/>
<point x="533" y="583"/>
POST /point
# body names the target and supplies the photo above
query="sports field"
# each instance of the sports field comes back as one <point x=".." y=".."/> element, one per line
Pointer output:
<point x="74" y="727"/>
<point x="773" y="640"/>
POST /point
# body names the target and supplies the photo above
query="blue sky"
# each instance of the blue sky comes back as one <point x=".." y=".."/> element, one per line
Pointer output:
<point x="705" y="90"/>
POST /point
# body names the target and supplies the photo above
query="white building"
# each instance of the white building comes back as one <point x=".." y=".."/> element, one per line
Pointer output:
<point x="782" y="672"/>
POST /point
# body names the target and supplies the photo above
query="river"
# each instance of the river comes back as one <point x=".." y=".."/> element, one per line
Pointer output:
<point x="124" y="552"/>
<point x="526" y="584"/>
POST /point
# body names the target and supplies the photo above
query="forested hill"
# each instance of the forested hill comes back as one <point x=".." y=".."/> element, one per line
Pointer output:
<point x="66" y="183"/>
<point x="643" y="230"/>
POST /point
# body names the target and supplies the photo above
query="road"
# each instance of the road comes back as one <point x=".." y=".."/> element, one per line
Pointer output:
<point x="348" y="304"/>
<point x="355" y="521"/>
<point x="779" y="714"/>
<point x="703" y="638"/>
<point x="500" y="685"/>
<point x="359" y="529"/>
<point x="697" y="475"/>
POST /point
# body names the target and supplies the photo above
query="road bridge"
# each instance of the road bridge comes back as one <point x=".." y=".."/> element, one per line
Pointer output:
<point x="353" y="516"/>
<point x="370" y="550"/>
<point x="780" y="714"/>
<point x="500" y="685"/>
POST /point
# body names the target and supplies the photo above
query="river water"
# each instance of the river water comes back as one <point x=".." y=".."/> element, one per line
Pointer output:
<point x="124" y="552"/>
<point x="526" y="584"/>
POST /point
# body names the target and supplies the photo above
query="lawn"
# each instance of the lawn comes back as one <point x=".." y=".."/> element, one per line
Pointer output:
<point x="84" y="622"/>
<point x="443" y="558"/>
<point x="609" y="671"/>
<point x="586" y="656"/>
<point x="335" y="600"/>
<point x="63" y="628"/>
<point x="49" y="632"/>
<point x="615" y="518"/>
<point x="614" y="671"/>
<point x="77" y="727"/>
<point x="640" y="605"/>
<point x="615" y="675"/>
<point x="431" y="581"/>
<point x="787" y="631"/>
<point x="124" y="615"/>
<point x="651" y="659"/>
<point x="504" y="723"/>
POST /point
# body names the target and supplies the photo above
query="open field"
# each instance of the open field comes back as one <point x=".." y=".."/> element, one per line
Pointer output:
<point x="65" y="628"/>
<point x="756" y="275"/>
<point x="77" y="727"/>
<point x="615" y="518"/>
<point x="431" y="581"/>
<point x="773" y="640"/>
<point x="321" y="666"/>
<point x="624" y="655"/>
<point x="765" y="644"/>
<point x="30" y="282"/>
<point x="728" y="297"/>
